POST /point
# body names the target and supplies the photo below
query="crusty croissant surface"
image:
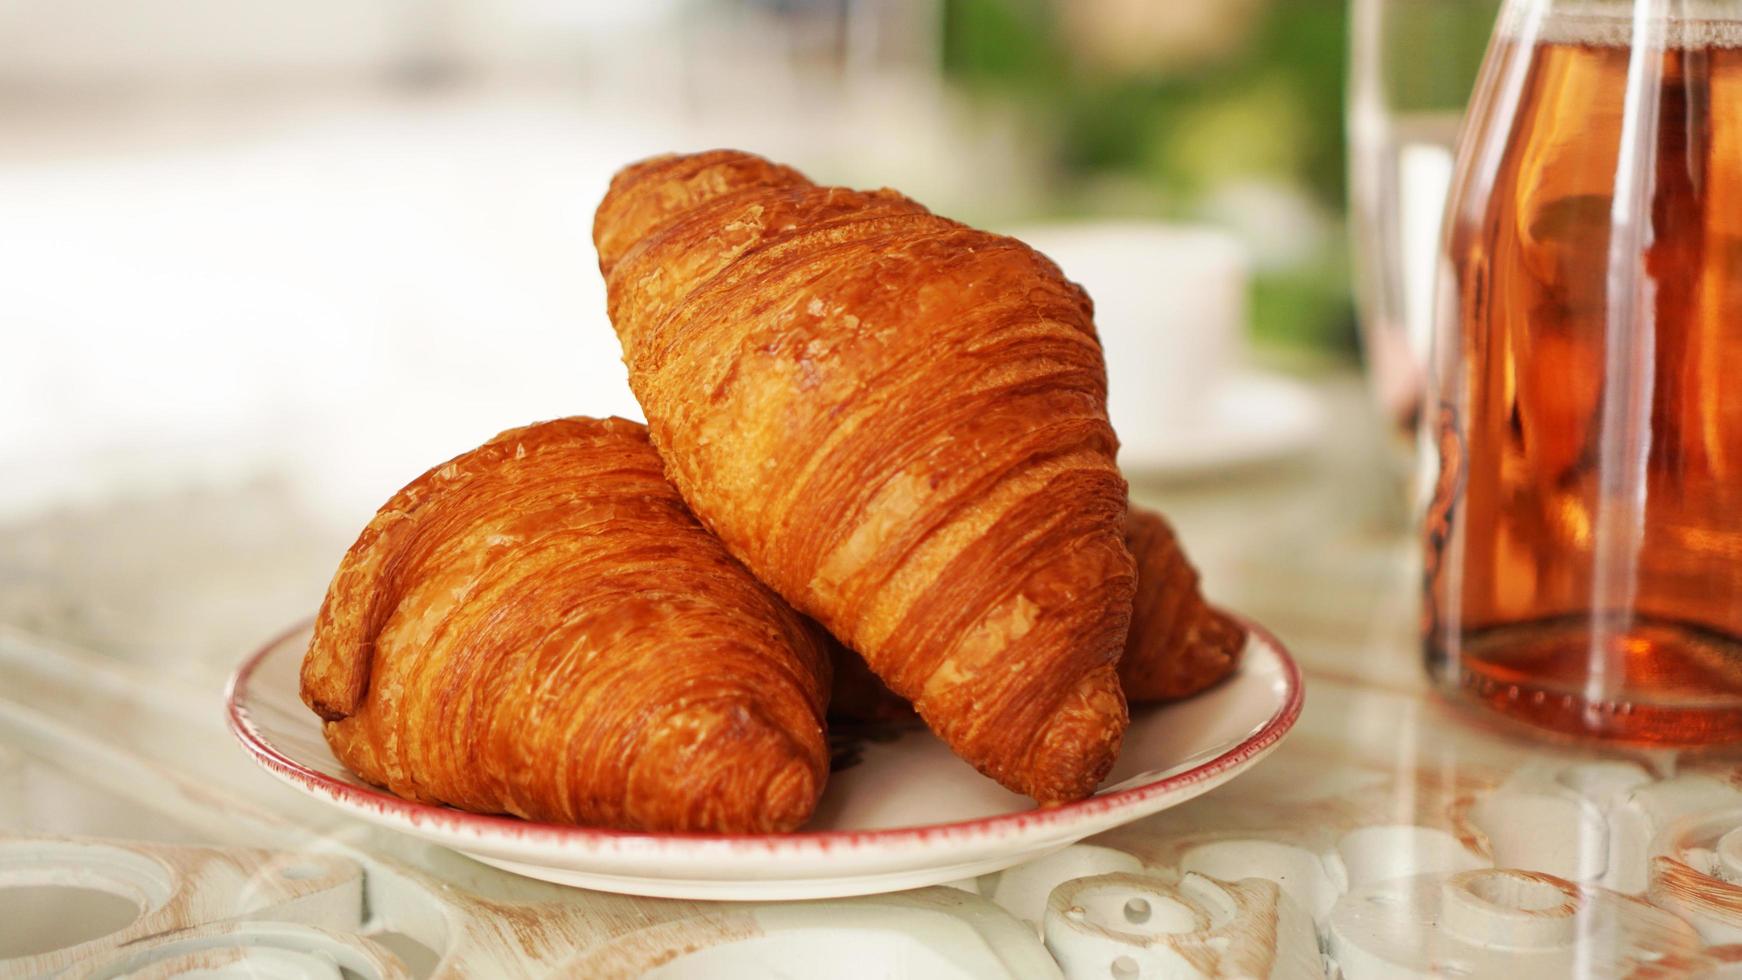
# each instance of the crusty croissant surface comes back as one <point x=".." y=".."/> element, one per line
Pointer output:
<point x="540" y="627"/>
<point x="1179" y="644"/>
<point x="900" y="424"/>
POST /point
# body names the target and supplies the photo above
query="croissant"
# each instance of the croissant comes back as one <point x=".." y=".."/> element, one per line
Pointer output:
<point x="539" y="627"/>
<point x="899" y="423"/>
<point x="1179" y="644"/>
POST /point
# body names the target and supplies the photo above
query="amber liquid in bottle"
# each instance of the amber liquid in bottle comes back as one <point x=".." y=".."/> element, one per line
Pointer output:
<point x="1584" y="546"/>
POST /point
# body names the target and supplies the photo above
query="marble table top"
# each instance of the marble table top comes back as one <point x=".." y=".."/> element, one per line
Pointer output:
<point x="1391" y="835"/>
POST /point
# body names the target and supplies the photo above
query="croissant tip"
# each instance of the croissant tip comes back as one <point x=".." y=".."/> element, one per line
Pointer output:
<point x="1078" y="749"/>
<point x="791" y="796"/>
<point x="762" y="776"/>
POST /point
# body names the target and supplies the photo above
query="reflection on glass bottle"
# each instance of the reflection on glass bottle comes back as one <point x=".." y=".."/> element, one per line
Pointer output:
<point x="1589" y="574"/>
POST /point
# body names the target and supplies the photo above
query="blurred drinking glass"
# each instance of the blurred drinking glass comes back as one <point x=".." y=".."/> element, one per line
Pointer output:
<point x="1584" y="542"/>
<point x="1412" y="64"/>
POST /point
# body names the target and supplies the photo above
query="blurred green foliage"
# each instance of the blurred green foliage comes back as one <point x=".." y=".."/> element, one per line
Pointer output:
<point x="1434" y="51"/>
<point x="1266" y="109"/>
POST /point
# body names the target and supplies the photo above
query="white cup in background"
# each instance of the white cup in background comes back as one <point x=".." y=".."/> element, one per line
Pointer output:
<point x="1170" y="306"/>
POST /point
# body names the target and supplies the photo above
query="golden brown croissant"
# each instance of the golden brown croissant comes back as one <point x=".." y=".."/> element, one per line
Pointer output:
<point x="539" y="627"/>
<point x="1178" y="645"/>
<point x="900" y="424"/>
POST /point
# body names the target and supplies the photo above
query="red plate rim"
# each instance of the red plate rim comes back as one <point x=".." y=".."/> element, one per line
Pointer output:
<point x="486" y="826"/>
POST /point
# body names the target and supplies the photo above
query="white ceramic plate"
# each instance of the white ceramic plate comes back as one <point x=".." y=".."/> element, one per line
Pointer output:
<point x="908" y="813"/>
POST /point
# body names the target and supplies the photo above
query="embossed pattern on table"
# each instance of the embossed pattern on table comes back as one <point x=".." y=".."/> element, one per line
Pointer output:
<point x="1390" y="836"/>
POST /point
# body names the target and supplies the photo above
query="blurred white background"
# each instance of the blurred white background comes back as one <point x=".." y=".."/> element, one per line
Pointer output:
<point x="263" y="262"/>
<point x="321" y="246"/>
<point x="336" y="241"/>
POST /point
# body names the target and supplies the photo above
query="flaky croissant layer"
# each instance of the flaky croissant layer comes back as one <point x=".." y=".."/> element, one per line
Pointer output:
<point x="899" y="423"/>
<point x="1178" y="645"/>
<point x="539" y="627"/>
